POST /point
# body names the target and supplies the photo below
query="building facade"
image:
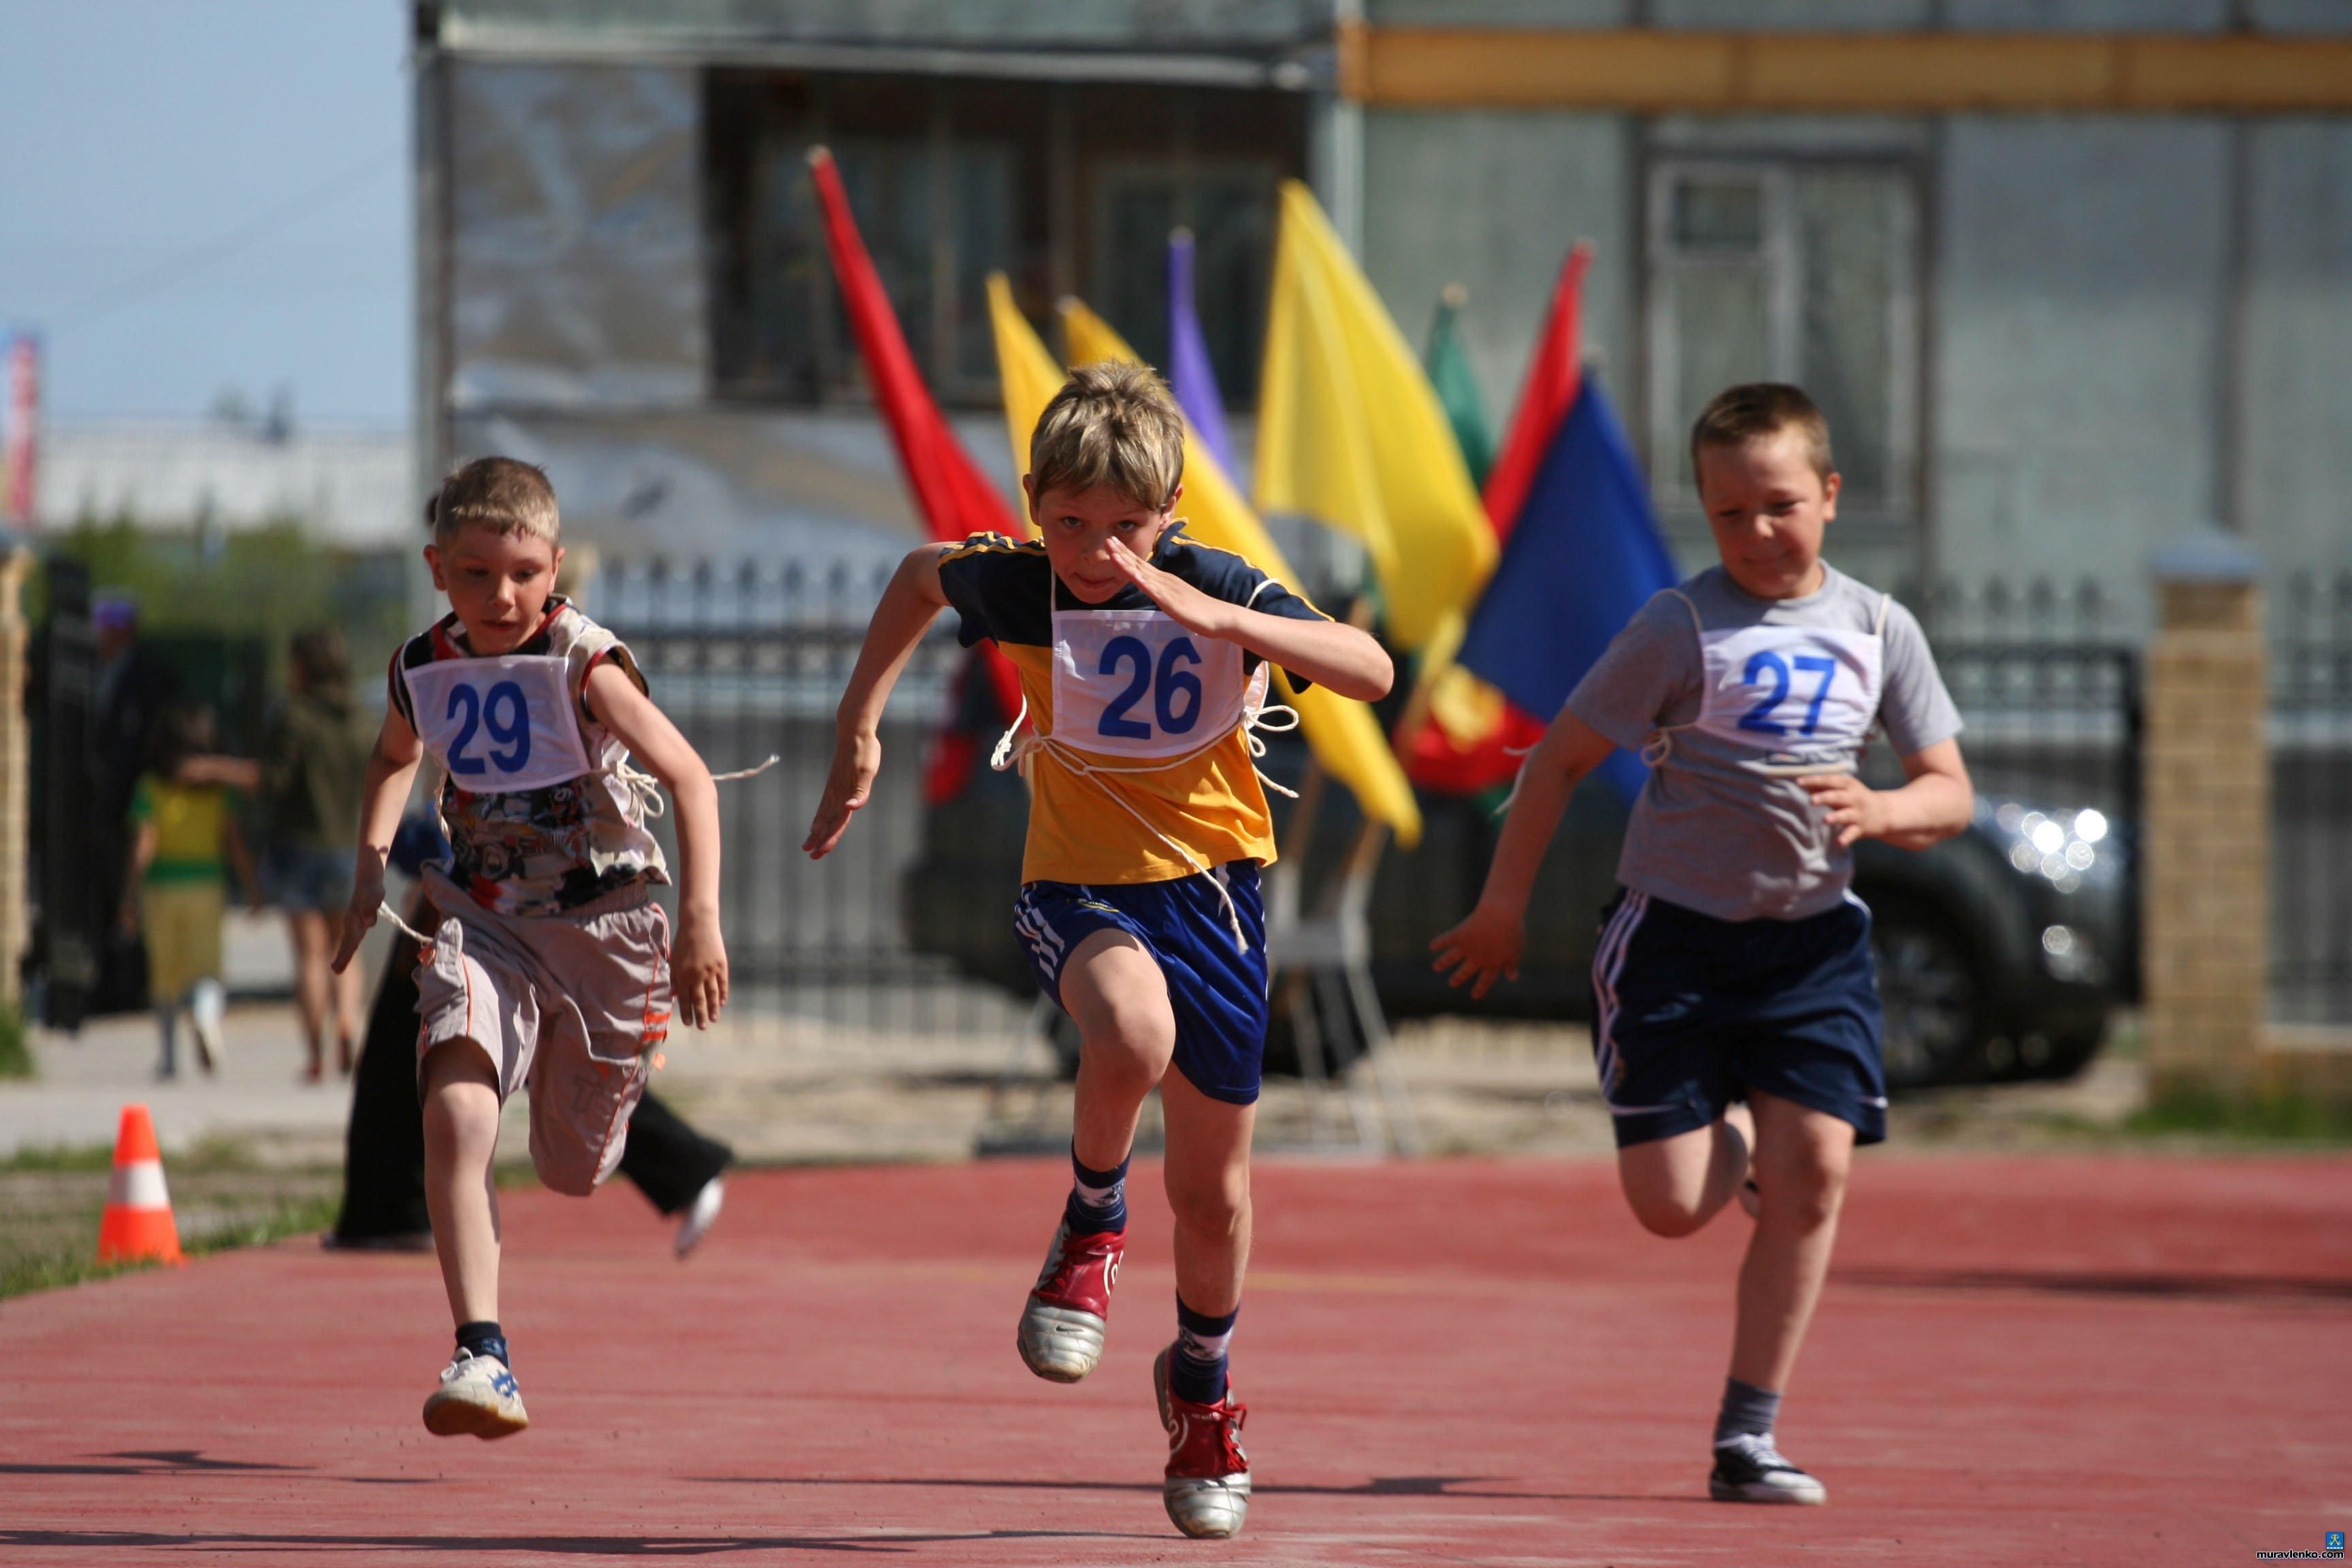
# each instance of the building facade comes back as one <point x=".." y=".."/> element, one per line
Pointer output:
<point x="2072" y="278"/>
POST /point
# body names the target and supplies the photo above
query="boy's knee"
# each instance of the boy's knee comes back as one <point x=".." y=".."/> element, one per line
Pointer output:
<point x="1214" y="1206"/>
<point x="1125" y="1051"/>
<point x="1805" y="1190"/>
<point x="1663" y="1216"/>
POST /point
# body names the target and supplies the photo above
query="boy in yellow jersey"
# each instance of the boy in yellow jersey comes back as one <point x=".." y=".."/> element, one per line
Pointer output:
<point x="1143" y="659"/>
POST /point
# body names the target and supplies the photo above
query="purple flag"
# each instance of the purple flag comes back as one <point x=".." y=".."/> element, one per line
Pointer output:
<point x="1189" y="375"/>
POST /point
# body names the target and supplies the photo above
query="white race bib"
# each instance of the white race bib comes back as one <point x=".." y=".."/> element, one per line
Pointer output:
<point x="499" y="724"/>
<point x="1135" y="683"/>
<point x="1805" y="697"/>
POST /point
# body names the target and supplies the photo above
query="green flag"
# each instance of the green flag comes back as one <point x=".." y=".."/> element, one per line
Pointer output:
<point x="1448" y="365"/>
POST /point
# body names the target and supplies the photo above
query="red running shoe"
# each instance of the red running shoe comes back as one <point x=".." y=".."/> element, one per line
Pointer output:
<point x="1208" y="1487"/>
<point x="1061" y="1333"/>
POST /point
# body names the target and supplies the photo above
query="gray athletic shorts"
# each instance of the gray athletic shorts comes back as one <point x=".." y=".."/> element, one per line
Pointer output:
<point x="572" y="1005"/>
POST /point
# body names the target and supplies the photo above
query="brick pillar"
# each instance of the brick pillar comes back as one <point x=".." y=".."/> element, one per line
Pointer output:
<point x="16" y="774"/>
<point x="2206" y="838"/>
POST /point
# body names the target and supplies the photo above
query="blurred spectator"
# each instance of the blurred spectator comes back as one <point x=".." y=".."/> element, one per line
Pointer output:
<point x="311" y="763"/>
<point x="184" y="839"/>
<point x="133" y="688"/>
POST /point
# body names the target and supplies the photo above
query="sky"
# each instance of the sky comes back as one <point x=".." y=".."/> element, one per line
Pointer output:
<point x="200" y="196"/>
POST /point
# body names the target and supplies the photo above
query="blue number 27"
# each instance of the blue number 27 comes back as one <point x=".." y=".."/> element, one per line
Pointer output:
<point x="1770" y="664"/>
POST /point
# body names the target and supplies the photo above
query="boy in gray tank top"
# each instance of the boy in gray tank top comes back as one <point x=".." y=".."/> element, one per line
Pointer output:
<point x="1734" y="1005"/>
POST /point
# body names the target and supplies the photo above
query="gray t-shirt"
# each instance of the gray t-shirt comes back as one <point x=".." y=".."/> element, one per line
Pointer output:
<point x="1731" y="699"/>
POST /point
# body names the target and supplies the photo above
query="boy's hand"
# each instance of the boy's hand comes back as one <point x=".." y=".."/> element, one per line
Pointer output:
<point x="367" y="895"/>
<point x="856" y="758"/>
<point x="1185" y="604"/>
<point x="697" y="969"/>
<point x="1853" y="809"/>
<point x="1482" y="950"/>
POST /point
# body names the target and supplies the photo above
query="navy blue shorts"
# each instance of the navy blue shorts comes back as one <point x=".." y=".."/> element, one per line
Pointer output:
<point x="1217" y="989"/>
<point x="1690" y="1012"/>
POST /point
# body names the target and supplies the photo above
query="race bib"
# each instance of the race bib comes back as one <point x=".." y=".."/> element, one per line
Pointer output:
<point x="499" y="724"/>
<point x="1135" y="683"/>
<point x="1803" y="697"/>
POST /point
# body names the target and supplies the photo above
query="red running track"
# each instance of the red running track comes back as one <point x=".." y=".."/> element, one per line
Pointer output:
<point x="2021" y="1361"/>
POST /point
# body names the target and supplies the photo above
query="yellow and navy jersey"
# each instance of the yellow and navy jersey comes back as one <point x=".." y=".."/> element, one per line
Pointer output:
<point x="1153" y="713"/>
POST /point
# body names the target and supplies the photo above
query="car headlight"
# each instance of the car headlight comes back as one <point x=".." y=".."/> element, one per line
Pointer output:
<point x="2061" y="846"/>
<point x="2068" y="955"/>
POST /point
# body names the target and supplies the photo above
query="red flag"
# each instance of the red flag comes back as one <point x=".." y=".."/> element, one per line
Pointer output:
<point x="1432" y="758"/>
<point x="956" y="498"/>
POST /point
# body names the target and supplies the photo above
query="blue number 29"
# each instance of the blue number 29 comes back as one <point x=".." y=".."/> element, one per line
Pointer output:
<point x="505" y="714"/>
<point x="1768" y="663"/>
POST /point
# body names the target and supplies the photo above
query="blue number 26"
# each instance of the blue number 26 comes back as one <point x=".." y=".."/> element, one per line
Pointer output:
<point x="505" y="714"/>
<point x="1175" y="718"/>
<point x="1771" y="665"/>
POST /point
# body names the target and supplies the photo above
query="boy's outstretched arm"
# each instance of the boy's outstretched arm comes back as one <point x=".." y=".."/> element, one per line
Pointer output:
<point x="1485" y="946"/>
<point x="698" y="959"/>
<point x="1343" y="659"/>
<point x="905" y="614"/>
<point x="1935" y="804"/>
<point x="384" y="794"/>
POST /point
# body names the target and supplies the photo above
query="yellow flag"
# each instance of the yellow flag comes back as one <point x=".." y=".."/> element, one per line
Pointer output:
<point x="1344" y="736"/>
<point x="1028" y="373"/>
<point x="1351" y="433"/>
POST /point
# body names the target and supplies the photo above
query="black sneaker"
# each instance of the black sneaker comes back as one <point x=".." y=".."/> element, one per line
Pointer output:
<point x="1750" y="1469"/>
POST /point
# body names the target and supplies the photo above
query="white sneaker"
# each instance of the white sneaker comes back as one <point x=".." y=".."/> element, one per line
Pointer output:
<point x="478" y="1394"/>
<point x="700" y="1215"/>
<point x="1750" y="1469"/>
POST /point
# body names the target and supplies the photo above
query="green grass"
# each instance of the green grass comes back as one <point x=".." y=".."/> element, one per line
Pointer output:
<point x="2266" y="1119"/>
<point x="61" y="1157"/>
<point x="22" y="1273"/>
<point x="16" y="1055"/>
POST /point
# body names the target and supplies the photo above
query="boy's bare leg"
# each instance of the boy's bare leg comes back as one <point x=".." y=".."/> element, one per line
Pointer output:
<point x="1207" y="1176"/>
<point x="461" y="1134"/>
<point x="306" y="931"/>
<point x="1675" y="1185"/>
<point x="1801" y="1159"/>
<point x="348" y="991"/>
<point x="1127" y="1033"/>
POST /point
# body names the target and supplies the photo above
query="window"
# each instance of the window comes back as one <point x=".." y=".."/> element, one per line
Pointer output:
<point x="1802" y="272"/>
<point x="1061" y="187"/>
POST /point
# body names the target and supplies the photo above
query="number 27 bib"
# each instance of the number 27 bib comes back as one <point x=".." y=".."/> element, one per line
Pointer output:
<point x="1135" y="683"/>
<point x="1805" y="696"/>
<point x="499" y="724"/>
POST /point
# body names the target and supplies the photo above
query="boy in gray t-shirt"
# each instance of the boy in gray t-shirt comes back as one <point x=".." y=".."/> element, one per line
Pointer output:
<point x="1734" y="1005"/>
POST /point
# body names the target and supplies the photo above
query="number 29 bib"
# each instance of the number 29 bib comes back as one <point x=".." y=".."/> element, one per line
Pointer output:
<point x="500" y="724"/>
<point x="1135" y="683"/>
<point x="1803" y="697"/>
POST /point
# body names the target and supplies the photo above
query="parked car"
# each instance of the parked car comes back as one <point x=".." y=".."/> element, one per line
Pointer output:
<point x="2000" y="951"/>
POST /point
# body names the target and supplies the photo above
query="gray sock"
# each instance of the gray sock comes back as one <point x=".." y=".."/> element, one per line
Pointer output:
<point x="1748" y="1411"/>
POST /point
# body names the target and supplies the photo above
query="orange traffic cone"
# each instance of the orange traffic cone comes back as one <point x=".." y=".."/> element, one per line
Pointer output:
<point x="137" y="1226"/>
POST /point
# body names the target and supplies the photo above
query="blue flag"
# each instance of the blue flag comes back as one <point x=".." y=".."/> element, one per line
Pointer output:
<point x="1190" y="375"/>
<point x="1583" y="556"/>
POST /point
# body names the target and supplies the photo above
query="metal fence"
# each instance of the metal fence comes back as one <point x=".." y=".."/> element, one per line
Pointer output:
<point x="751" y="661"/>
<point x="2311" y="801"/>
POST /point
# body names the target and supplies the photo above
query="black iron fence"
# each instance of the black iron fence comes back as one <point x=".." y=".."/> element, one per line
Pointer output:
<point x="2311" y="800"/>
<point x="752" y="660"/>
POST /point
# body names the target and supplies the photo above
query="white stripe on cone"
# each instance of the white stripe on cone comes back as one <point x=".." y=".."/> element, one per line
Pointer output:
<point x="137" y="1185"/>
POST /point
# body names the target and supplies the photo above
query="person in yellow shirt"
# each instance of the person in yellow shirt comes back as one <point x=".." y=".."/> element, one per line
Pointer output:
<point x="1142" y="660"/>
<point x="184" y="841"/>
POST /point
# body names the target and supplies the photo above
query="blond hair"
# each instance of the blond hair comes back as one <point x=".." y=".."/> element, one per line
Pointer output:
<point x="1112" y="424"/>
<point x="509" y="496"/>
<point x="1756" y="409"/>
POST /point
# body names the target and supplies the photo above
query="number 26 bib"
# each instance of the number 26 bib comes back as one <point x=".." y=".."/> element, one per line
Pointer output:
<point x="1804" y="696"/>
<point x="1135" y="683"/>
<point x="500" y="724"/>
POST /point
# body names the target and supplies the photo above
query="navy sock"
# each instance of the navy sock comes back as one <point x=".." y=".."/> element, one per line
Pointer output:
<point x="485" y="1339"/>
<point x="1748" y="1411"/>
<point x="1097" y="1198"/>
<point x="1197" y="1370"/>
